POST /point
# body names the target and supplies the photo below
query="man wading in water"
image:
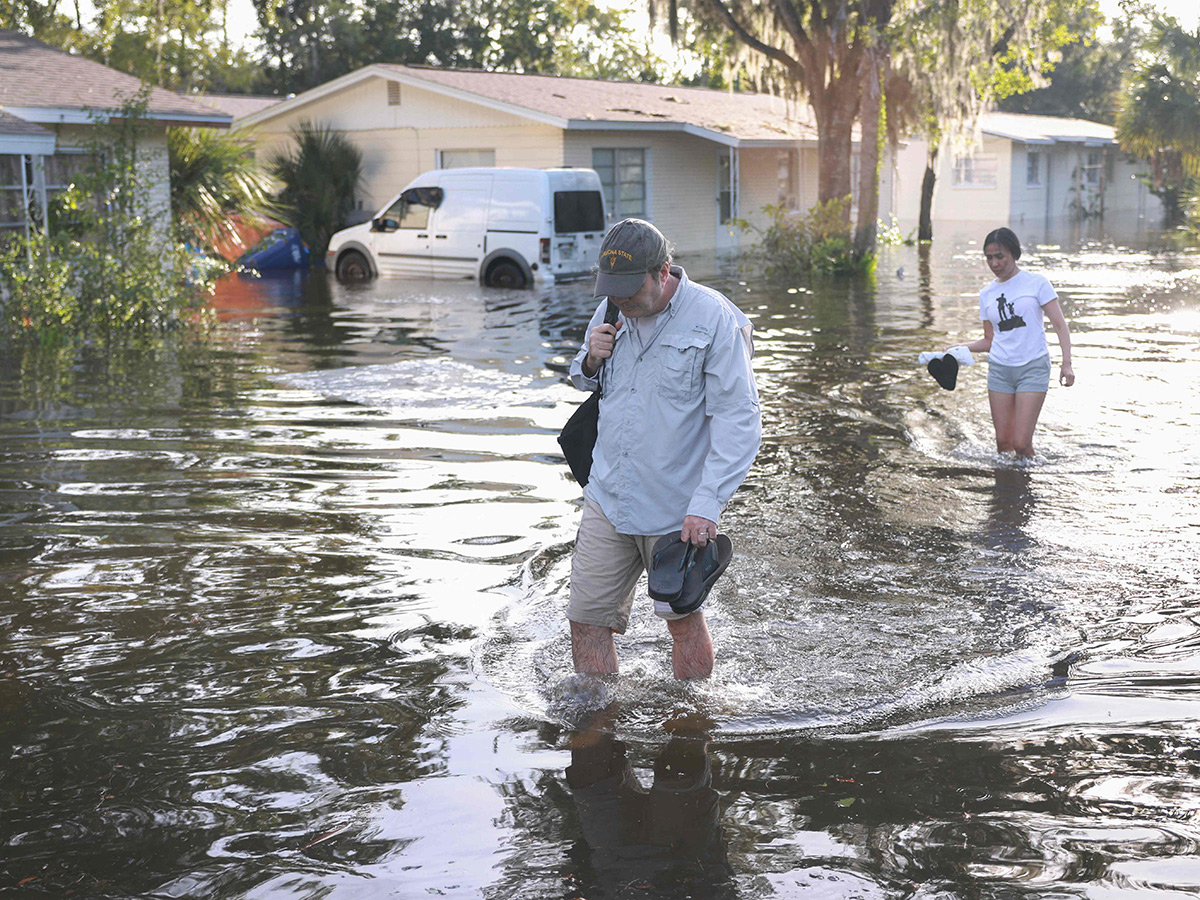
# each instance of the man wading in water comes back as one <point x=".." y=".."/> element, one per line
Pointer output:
<point x="679" y="427"/>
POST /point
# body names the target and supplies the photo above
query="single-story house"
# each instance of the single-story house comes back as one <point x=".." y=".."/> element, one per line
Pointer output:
<point x="51" y="102"/>
<point x="1040" y="174"/>
<point x="690" y="159"/>
<point x="238" y="106"/>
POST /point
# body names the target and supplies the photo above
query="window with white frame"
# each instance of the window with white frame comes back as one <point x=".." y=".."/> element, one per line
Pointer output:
<point x="1033" y="168"/>
<point x="975" y="171"/>
<point x="1092" y="167"/>
<point x="61" y="172"/>
<point x="463" y="159"/>
<point x="622" y="172"/>
<point x="12" y="196"/>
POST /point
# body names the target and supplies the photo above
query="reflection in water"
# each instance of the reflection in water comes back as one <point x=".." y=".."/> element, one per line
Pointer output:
<point x="664" y="839"/>
<point x="281" y="610"/>
<point x="1012" y="503"/>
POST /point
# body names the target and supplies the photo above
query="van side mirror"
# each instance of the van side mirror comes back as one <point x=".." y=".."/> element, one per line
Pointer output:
<point x="382" y="224"/>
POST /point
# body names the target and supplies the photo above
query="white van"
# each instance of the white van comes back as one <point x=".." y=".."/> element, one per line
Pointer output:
<point x="504" y="227"/>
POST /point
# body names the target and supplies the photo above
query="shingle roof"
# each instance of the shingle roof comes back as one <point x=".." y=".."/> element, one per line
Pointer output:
<point x="1043" y="129"/>
<point x="11" y="125"/>
<point x="744" y="116"/>
<point x="33" y="74"/>
<point x="237" y="105"/>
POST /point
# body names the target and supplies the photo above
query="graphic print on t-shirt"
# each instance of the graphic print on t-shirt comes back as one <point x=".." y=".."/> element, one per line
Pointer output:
<point x="1010" y="320"/>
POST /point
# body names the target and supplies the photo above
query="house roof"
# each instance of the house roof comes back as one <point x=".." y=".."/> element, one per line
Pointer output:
<point x="584" y="102"/>
<point x="41" y="83"/>
<point x="579" y="103"/>
<point x="18" y="136"/>
<point x="13" y="125"/>
<point x="237" y="105"/>
<point x="1031" y="129"/>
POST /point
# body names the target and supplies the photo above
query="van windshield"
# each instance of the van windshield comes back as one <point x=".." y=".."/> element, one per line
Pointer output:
<point x="578" y="211"/>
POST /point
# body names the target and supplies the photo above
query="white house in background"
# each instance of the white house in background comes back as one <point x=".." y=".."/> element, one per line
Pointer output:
<point x="689" y="159"/>
<point x="1042" y="175"/>
<point x="50" y="104"/>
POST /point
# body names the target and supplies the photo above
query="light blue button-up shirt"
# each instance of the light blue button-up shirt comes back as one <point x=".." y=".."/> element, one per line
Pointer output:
<point x="679" y="418"/>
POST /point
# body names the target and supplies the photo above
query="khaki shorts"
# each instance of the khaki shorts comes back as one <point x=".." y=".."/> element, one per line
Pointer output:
<point x="605" y="571"/>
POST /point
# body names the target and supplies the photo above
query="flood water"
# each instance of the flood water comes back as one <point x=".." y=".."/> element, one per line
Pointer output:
<point x="281" y="612"/>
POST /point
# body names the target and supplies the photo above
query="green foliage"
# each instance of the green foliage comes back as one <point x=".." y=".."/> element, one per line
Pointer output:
<point x="309" y="42"/>
<point x="1159" y="117"/>
<point x="816" y="241"/>
<point x="956" y="57"/>
<point x="109" y="271"/>
<point x="214" y="177"/>
<point x="889" y="233"/>
<point x="1086" y="83"/>
<point x="319" y="176"/>
<point x="185" y="45"/>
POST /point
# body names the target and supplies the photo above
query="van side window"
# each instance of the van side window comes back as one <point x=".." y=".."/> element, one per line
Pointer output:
<point x="413" y="207"/>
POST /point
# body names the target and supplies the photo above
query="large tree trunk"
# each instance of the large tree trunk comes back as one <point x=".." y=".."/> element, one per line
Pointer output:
<point x="835" y="114"/>
<point x="868" y="156"/>
<point x="925" y="223"/>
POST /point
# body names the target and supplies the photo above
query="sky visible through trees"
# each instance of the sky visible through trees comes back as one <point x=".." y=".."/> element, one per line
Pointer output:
<point x="243" y="22"/>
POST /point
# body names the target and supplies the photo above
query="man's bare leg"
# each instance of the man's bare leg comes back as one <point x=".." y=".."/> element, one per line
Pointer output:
<point x="692" y="650"/>
<point x="593" y="650"/>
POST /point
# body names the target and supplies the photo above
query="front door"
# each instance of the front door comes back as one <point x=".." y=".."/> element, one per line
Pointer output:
<point x="402" y="240"/>
<point x="727" y="200"/>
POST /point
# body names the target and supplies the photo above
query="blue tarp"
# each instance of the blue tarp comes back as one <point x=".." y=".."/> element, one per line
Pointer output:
<point x="280" y="249"/>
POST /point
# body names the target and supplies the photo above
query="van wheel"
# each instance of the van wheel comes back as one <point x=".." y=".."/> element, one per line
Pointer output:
<point x="505" y="274"/>
<point x="353" y="266"/>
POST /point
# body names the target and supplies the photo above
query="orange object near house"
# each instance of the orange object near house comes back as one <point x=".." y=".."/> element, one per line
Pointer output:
<point x="249" y="232"/>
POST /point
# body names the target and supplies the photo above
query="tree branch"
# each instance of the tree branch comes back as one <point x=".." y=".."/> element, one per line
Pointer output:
<point x="788" y="62"/>
<point x="791" y="21"/>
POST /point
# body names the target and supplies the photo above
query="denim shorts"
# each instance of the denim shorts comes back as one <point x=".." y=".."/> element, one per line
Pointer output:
<point x="1032" y="377"/>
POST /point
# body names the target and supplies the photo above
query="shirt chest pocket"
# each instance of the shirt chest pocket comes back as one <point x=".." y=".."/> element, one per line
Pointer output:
<point x="682" y="364"/>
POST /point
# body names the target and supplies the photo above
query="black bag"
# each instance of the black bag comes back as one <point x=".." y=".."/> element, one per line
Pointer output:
<point x="578" y="436"/>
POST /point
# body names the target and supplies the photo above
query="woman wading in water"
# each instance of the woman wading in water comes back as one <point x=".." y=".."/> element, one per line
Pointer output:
<point x="1014" y="338"/>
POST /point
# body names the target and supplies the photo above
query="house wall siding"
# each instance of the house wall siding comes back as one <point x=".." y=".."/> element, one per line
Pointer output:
<point x="682" y="180"/>
<point x="400" y="142"/>
<point x="1030" y="203"/>
<point x="761" y="185"/>
<point x="153" y="165"/>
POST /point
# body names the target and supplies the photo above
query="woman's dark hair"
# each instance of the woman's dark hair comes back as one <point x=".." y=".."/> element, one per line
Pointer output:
<point x="1006" y="239"/>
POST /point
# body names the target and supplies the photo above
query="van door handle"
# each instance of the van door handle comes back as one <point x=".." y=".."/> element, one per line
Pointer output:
<point x="423" y="235"/>
<point x="440" y="236"/>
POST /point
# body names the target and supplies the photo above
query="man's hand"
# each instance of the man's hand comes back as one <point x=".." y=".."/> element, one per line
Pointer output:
<point x="600" y="347"/>
<point x="697" y="530"/>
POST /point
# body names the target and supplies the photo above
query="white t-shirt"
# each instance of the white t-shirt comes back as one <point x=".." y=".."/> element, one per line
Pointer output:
<point x="1014" y="308"/>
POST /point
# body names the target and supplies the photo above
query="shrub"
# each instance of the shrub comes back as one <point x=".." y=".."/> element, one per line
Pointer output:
<point x="319" y="176"/>
<point x="109" y="268"/>
<point x="818" y="240"/>
<point x="215" y="179"/>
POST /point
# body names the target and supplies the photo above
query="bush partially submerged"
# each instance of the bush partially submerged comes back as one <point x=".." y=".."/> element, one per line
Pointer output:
<point x="818" y="240"/>
<point x="109" y="267"/>
<point x="318" y="175"/>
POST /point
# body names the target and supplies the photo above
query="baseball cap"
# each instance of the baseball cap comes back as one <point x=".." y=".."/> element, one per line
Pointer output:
<point x="631" y="248"/>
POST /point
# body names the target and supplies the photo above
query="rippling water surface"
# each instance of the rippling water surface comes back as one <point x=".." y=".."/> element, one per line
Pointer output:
<point x="281" y="612"/>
